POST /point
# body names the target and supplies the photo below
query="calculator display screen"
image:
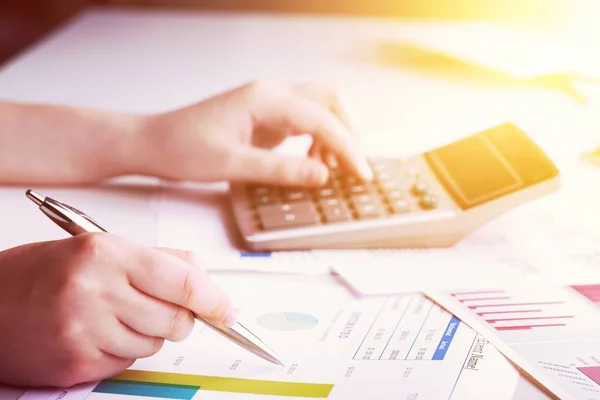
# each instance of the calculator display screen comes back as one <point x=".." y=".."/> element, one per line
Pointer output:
<point x="489" y="165"/>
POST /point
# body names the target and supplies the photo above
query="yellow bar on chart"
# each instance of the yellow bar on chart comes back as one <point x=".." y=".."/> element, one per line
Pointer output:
<point x="224" y="384"/>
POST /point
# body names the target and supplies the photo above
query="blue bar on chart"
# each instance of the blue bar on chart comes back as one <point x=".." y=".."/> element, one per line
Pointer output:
<point x="143" y="389"/>
<point x="246" y="254"/>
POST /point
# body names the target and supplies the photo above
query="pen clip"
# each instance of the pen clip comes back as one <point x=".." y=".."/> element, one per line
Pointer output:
<point x="79" y="213"/>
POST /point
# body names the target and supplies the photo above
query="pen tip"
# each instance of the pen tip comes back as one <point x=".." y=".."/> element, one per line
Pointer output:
<point x="278" y="361"/>
<point x="273" y="358"/>
<point x="35" y="197"/>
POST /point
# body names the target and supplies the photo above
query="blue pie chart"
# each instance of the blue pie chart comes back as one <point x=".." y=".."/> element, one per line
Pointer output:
<point x="287" y="321"/>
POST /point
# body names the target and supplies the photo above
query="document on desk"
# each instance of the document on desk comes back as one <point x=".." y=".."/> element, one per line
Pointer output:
<point x="551" y="332"/>
<point x="335" y="346"/>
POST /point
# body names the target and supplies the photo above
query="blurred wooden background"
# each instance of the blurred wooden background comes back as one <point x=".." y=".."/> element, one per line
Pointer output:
<point x="22" y="22"/>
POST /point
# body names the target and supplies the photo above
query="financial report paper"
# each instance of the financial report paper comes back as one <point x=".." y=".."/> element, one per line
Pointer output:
<point x="334" y="346"/>
<point x="551" y="332"/>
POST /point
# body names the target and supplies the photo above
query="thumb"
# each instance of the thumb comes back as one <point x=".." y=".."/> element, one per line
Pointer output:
<point x="263" y="166"/>
<point x="192" y="258"/>
<point x="184" y="255"/>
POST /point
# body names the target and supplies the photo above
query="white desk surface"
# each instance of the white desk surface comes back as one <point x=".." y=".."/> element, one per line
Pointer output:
<point x="151" y="61"/>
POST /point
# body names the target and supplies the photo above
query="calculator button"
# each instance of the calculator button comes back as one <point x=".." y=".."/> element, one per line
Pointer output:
<point x="400" y="206"/>
<point x="429" y="201"/>
<point x="294" y="195"/>
<point x="395" y="194"/>
<point x="350" y="181"/>
<point x="420" y="188"/>
<point x="261" y="190"/>
<point x="325" y="192"/>
<point x="265" y="199"/>
<point x="298" y="207"/>
<point x="364" y="199"/>
<point x="389" y="186"/>
<point x="359" y="189"/>
<point x="337" y="214"/>
<point x="331" y="202"/>
<point x="369" y="211"/>
<point x="287" y="219"/>
<point x="290" y="220"/>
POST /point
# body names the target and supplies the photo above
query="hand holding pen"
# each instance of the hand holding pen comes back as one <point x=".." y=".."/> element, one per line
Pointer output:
<point x="92" y="304"/>
<point x="76" y="222"/>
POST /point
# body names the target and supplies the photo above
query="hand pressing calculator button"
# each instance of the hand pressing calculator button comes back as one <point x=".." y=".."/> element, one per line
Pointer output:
<point x="432" y="199"/>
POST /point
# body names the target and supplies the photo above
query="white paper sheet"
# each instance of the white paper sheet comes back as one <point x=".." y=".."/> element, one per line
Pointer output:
<point x="551" y="332"/>
<point x="389" y="347"/>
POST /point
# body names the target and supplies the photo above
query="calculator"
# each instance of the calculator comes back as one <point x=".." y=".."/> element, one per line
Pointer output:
<point x="433" y="199"/>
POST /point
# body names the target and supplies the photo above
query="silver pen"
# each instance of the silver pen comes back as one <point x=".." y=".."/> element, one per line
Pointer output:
<point x="76" y="222"/>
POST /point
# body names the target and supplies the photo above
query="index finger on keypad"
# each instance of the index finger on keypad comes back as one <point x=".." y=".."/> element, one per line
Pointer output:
<point x="301" y="115"/>
<point x="335" y="100"/>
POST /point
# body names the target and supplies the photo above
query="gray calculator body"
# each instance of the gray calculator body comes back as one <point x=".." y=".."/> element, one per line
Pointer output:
<point x="433" y="199"/>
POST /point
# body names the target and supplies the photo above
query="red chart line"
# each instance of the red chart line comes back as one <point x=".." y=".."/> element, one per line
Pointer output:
<point x="482" y="313"/>
<point x="485" y="299"/>
<point x="525" y="327"/>
<point x="491" y="321"/>
<point x="477" y="292"/>
<point x="472" y="307"/>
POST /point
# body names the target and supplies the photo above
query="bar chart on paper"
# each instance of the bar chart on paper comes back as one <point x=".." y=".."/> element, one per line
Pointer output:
<point x="506" y="313"/>
<point x="552" y="332"/>
<point x="526" y="314"/>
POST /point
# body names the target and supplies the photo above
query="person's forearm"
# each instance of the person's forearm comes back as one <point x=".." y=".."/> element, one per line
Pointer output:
<point x="42" y="144"/>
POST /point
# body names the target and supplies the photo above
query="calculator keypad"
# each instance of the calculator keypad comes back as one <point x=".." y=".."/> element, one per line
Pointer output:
<point x="397" y="189"/>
